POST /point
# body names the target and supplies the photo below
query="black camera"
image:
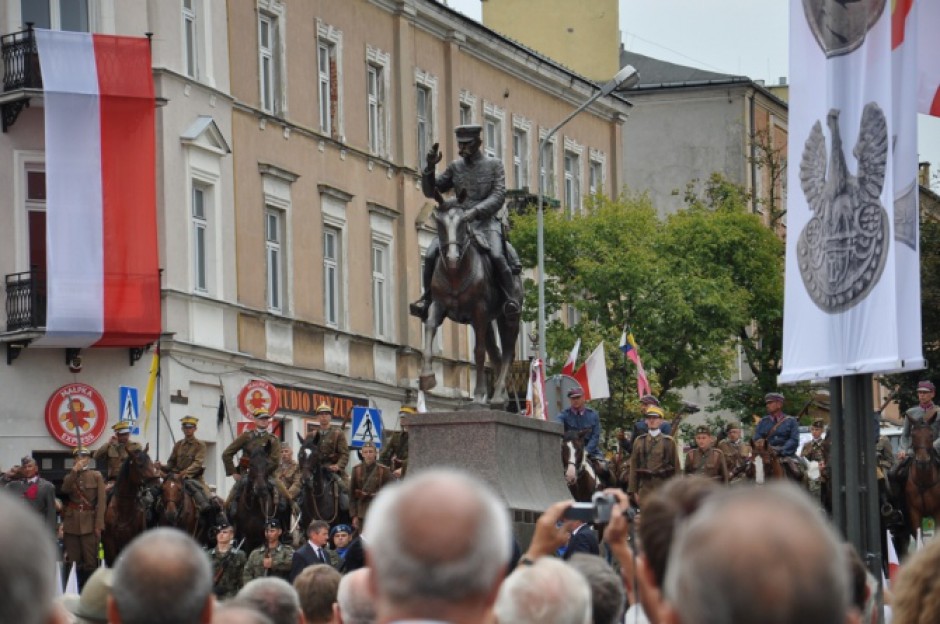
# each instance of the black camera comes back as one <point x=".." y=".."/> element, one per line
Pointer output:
<point x="598" y="511"/>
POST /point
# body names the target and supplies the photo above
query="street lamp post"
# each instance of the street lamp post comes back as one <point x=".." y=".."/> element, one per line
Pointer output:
<point x="626" y="77"/>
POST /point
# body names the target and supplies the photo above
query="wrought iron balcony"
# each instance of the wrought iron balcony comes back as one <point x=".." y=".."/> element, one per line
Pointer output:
<point x="20" y="73"/>
<point x="26" y="300"/>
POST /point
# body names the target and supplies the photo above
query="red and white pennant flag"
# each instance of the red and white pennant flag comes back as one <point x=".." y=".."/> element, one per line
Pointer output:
<point x="101" y="237"/>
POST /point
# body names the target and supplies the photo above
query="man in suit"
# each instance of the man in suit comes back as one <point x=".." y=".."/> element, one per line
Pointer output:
<point x="583" y="539"/>
<point x="314" y="551"/>
<point x="38" y="493"/>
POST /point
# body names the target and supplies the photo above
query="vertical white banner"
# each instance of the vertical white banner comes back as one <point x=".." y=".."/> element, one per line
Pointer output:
<point x="852" y="297"/>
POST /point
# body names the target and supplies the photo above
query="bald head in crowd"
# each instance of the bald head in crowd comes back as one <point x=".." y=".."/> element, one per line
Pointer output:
<point x="438" y="544"/>
<point x="757" y="555"/>
<point x="353" y="601"/>
<point x="162" y="577"/>
<point x="274" y="597"/>
<point x="547" y="592"/>
<point x="27" y="566"/>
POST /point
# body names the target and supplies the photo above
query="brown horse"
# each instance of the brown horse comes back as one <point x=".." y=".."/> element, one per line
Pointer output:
<point x="177" y="508"/>
<point x="579" y="473"/>
<point x="125" y="517"/>
<point x="921" y="488"/>
<point x="256" y="502"/>
<point x="769" y="466"/>
<point x="320" y="494"/>
<point x="464" y="289"/>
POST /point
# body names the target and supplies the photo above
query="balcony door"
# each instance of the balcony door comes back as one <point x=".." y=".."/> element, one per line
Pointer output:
<point x="56" y="14"/>
<point x="36" y="219"/>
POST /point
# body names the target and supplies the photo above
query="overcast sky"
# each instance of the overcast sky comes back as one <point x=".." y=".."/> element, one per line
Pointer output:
<point x="747" y="37"/>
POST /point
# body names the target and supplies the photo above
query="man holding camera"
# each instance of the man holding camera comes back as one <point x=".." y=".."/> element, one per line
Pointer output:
<point x="655" y="458"/>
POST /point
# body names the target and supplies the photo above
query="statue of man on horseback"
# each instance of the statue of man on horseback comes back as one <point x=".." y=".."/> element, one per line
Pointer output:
<point x="483" y="179"/>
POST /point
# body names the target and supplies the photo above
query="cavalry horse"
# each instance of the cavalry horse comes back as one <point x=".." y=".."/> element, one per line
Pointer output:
<point x="582" y="479"/>
<point x="177" y="508"/>
<point x="319" y="491"/>
<point x="769" y="466"/>
<point x="922" y="488"/>
<point x="125" y="516"/>
<point x="256" y="502"/>
<point x="465" y="289"/>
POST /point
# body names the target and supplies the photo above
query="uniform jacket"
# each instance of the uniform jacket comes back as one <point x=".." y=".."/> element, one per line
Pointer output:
<point x="584" y="540"/>
<point x="84" y="511"/>
<point x="734" y="457"/>
<point x="656" y="454"/>
<point x="365" y="484"/>
<point x="709" y="463"/>
<point x="280" y="563"/>
<point x="41" y="498"/>
<point x="333" y="448"/>
<point x="188" y="459"/>
<point x="396" y="448"/>
<point x="884" y="453"/>
<point x="916" y="414"/>
<point x="305" y="557"/>
<point x="484" y="180"/>
<point x="785" y="439"/>
<point x="814" y="450"/>
<point x="290" y="475"/>
<point x="587" y="419"/>
<point x="112" y="455"/>
<point x="232" y="564"/>
<point x="246" y="443"/>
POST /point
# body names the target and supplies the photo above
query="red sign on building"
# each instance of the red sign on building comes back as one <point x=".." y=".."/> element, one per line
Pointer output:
<point x="257" y="395"/>
<point x="76" y="411"/>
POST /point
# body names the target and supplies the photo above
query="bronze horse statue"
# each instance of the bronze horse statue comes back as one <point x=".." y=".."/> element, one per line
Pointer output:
<point x="257" y="502"/>
<point x="125" y="516"/>
<point x="464" y="289"/>
<point x="922" y="487"/>
<point x="582" y="479"/>
<point x="320" y="497"/>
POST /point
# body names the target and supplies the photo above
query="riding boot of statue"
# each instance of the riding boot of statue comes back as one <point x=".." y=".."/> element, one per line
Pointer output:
<point x="508" y="283"/>
<point x="420" y="307"/>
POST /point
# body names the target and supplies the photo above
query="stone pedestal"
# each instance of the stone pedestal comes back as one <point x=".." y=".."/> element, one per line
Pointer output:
<point x="520" y="458"/>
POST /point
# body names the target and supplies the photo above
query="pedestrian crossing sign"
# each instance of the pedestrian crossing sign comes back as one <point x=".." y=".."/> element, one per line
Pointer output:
<point x="129" y="407"/>
<point x="366" y="426"/>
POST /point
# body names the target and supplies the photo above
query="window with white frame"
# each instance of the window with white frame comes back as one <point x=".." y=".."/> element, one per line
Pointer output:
<point x="423" y="114"/>
<point x="332" y="275"/>
<point x="381" y="284"/>
<point x="520" y="151"/>
<point x="190" y="49"/>
<point x="572" y="182"/>
<point x="466" y="115"/>
<point x="329" y="71"/>
<point x="74" y="15"/>
<point x="268" y="62"/>
<point x="493" y="117"/>
<point x="274" y="245"/>
<point x="377" y="90"/>
<point x="467" y="105"/>
<point x="596" y="177"/>
<point x="200" y="238"/>
<point x="547" y="172"/>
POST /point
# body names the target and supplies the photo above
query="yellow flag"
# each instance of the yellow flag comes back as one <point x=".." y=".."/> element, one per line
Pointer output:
<point x="151" y="386"/>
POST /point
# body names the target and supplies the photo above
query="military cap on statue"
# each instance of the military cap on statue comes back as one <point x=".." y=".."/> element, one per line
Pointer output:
<point x="324" y="408"/>
<point x="655" y="412"/>
<point x="272" y="523"/>
<point x="819" y="423"/>
<point x="649" y="399"/>
<point x="773" y="396"/>
<point x="82" y="451"/>
<point x="121" y="427"/>
<point x="703" y="429"/>
<point x="468" y="132"/>
<point x="926" y="385"/>
<point x="189" y="420"/>
<point x="575" y="393"/>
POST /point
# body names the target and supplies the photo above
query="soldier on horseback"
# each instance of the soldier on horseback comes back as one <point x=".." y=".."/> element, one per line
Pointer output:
<point x="247" y="442"/>
<point x="736" y="453"/>
<point x="705" y="459"/>
<point x="782" y="433"/>
<point x="395" y="449"/>
<point x="333" y="448"/>
<point x="924" y="411"/>
<point x="188" y="459"/>
<point x="578" y="417"/>
<point x="655" y="458"/>
<point x="112" y="455"/>
<point x="484" y="181"/>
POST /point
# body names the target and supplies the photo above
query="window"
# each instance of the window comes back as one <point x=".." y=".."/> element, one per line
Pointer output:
<point x="267" y="65"/>
<point x="492" y="137"/>
<point x="200" y="242"/>
<point x="273" y="244"/>
<point x="332" y="277"/>
<point x="572" y="183"/>
<point x="596" y="177"/>
<point x="468" y="103"/>
<point x="189" y="38"/>
<point x="466" y="114"/>
<point x="380" y="289"/>
<point x="56" y="14"/>
<point x="36" y="215"/>
<point x="423" y="111"/>
<point x="520" y="157"/>
<point x="547" y="172"/>
<point x="376" y="103"/>
<point x="329" y="80"/>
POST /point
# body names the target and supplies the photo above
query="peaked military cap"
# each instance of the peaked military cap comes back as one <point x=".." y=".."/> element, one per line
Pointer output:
<point x="190" y="421"/>
<point x="223" y="524"/>
<point x="468" y="132"/>
<point x="655" y="412"/>
<point x="407" y="409"/>
<point x="734" y="424"/>
<point x="272" y="523"/>
<point x="926" y="385"/>
<point x="703" y="429"/>
<point x="324" y="408"/>
<point x="121" y="426"/>
<point x="369" y="444"/>
<point x="575" y="393"/>
<point x="261" y="413"/>
<point x="649" y="399"/>
<point x="82" y="452"/>
<point x="819" y="423"/>
<point x="773" y="396"/>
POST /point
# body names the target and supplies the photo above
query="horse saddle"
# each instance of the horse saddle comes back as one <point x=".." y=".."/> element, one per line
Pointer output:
<point x="481" y="241"/>
<point x="792" y="465"/>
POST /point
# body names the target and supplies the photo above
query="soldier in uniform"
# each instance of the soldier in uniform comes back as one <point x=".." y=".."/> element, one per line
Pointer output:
<point x="109" y="457"/>
<point x="782" y="432"/>
<point x="271" y="559"/>
<point x="247" y="442"/>
<point x="340" y="536"/>
<point x="228" y="563"/>
<point x="655" y="458"/>
<point x="705" y="459"/>
<point x="367" y="479"/>
<point x="924" y="411"/>
<point x="83" y="516"/>
<point x="333" y="449"/>
<point x="578" y="417"/>
<point x="484" y="181"/>
<point x="395" y="449"/>
<point x="288" y="472"/>
<point x="188" y="460"/>
<point x="735" y="451"/>
<point x="24" y="481"/>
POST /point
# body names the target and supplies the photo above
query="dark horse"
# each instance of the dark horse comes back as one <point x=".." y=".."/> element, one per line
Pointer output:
<point x="319" y="493"/>
<point x="125" y="516"/>
<point x="177" y="508"/>
<point x="465" y="290"/>
<point x="256" y="502"/>
<point x="921" y="489"/>
<point x="771" y="465"/>
<point x="579" y="473"/>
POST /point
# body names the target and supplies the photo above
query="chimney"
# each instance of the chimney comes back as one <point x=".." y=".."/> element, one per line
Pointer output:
<point x="923" y="174"/>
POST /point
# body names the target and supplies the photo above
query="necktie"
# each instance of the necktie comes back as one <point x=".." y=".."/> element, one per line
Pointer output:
<point x="319" y="553"/>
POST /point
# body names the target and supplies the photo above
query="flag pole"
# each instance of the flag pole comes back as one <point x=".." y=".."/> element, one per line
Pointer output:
<point x="159" y="393"/>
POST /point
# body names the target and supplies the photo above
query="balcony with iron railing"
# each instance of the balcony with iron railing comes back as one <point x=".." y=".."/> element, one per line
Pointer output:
<point x="22" y="79"/>
<point x="26" y="301"/>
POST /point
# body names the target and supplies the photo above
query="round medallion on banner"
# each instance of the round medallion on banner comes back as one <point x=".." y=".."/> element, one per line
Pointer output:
<point x="258" y="395"/>
<point x="76" y="410"/>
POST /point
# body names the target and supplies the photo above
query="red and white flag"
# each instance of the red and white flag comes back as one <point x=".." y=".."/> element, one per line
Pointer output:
<point x="535" y="391"/>
<point x="568" y="368"/>
<point x="893" y="563"/>
<point x="593" y="375"/>
<point x="928" y="51"/>
<point x="101" y="225"/>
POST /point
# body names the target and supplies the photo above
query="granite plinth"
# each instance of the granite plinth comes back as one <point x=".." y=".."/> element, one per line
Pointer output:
<point x="518" y="457"/>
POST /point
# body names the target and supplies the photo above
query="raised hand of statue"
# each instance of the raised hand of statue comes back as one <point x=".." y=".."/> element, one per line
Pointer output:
<point x="434" y="156"/>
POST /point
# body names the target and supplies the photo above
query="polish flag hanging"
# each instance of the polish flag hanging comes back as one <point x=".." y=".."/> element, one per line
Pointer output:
<point x="593" y="375"/>
<point x="568" y="368"/>
<point x="103" y="281"/>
